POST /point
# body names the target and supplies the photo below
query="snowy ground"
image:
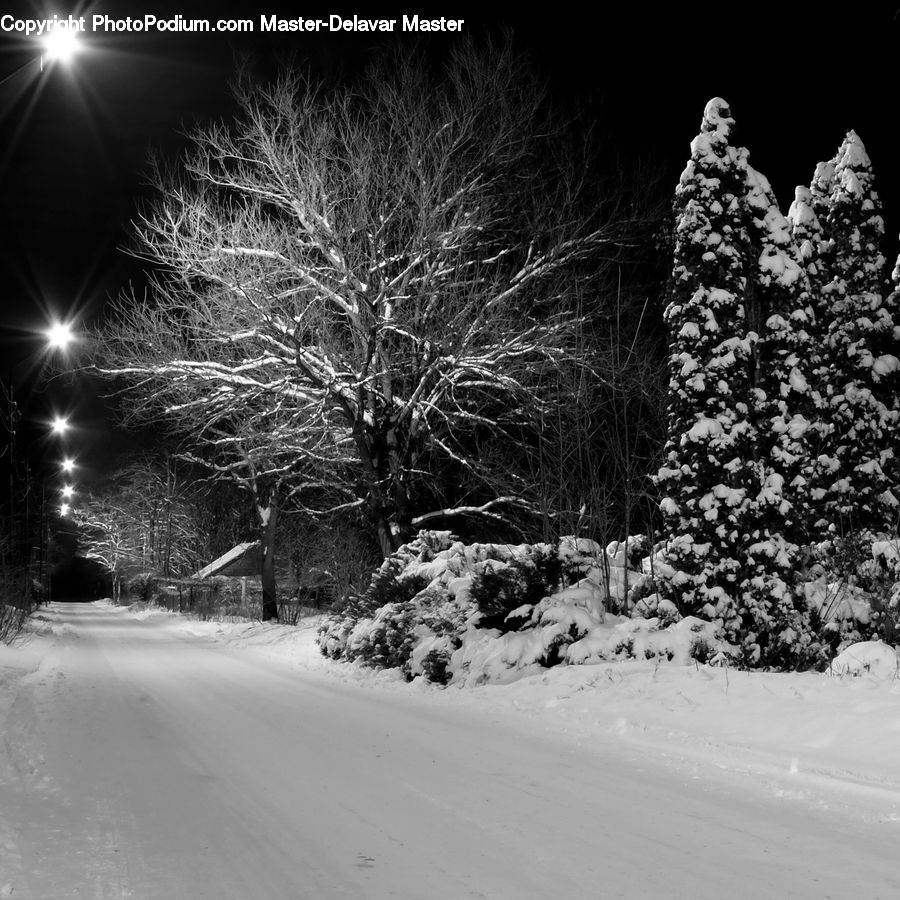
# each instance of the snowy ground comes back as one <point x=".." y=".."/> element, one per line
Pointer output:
<point x="146" y="756"/>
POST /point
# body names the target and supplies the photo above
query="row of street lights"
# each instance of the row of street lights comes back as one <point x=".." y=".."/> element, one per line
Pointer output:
<point x="59" y="336"/>
<point x="57" y="46"/>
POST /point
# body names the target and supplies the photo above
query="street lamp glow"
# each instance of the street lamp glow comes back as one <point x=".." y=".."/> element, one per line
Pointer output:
<point x="60" y="335"/>
<point x="67" y="491"/>
<point x="60" y="45"/>
<point x="68" y="465"/>
<point x="59" y="425"/>
<point x="64" y="509"/>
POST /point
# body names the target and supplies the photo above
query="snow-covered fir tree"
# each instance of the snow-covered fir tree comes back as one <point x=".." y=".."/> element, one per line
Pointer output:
<point x="856" y="382"/>
<point x="788" y="280"/>
<point x="819" y="193"/>
<point x="786" y="358"/>
<point x="724" y="503"/>
<point x="708" y="476"/>
<point x="787" y="429"/>
<point x="885" y="350"/>
<point x="889" y="332"/>
<point x="809" y="239"/>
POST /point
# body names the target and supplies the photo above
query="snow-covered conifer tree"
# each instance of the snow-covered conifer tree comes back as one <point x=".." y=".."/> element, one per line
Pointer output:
<point x="787" y="429"/>
<point x="736" y="400"/>
<point x="808" y="237"/>
<point x="859" y="401"/>
<point x="812" y="247"/>
<point x="791" y="363"/>
<point x="709" y="476"/>
<point x="885" y="369"/>
<point x="889" y="314"/>
<point x="821" y="189"/>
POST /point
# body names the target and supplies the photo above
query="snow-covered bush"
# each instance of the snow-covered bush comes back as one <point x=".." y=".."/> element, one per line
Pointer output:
<point x="427" y="594"/>
<point x="873" y="658"/>
<point x="12" y="618"/>
<point x="143" y="586"/>
<point x="474" y="613"/>
<point x="492" y="612"/>
<point x="387" y="640"/>
<point x="506" y="592"/>
<point x="853" y="589"/>
<point x="17" y="597"/>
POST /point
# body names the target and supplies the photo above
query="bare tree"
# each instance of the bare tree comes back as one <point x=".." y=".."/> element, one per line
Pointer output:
<point x="362" y="286"/>
<point x="143" y="520"/>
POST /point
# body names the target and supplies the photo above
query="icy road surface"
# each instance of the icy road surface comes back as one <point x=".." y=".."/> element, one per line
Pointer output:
<point x="140" y="761"/>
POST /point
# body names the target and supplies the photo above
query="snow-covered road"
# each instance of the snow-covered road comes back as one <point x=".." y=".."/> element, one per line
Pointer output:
<point x="140" y="761"/>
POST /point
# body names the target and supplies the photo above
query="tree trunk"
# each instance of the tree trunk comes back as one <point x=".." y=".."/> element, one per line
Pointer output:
<point x="377" y="502"/>
<point x="402" y="532"/>
<point x="383" y="529"/>
<point x="268" y="518"/>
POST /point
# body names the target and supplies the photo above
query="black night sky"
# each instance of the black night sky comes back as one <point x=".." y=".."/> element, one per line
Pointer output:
<point x="76" y="139"/>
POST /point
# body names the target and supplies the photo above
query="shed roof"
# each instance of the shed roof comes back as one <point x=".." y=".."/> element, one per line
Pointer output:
<point x="239" y="560"/>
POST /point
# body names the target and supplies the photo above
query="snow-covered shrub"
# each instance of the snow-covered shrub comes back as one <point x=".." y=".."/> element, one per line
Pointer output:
<point x="408" y="590"/>
<point x="873" y="658"/>
<point x="416" y="636"/>
<point x="16" y="599"/>
<point x="636" y="548"/>
<point x="854" y="589"/>
<point x="886" y="596"/>
<point x="435" y="666"/>
<point x="386" y="640"/>
<point x="143" y="586"/>
<point x="426" y="595"/>
<point x="886" y="554"/>
<point x="657" y="606"/>
<point x="390" y="588"/>
<point x="492" y="612"/>
<point x="12" y="619"/>
<point x="506" y="591"/>
<point x="497" y="657"/>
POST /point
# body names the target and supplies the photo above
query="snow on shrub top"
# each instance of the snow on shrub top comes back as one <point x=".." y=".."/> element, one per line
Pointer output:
<point x="874" y="658"/>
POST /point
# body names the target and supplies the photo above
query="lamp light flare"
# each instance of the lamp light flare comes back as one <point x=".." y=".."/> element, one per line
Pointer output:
<point x="67" y="491"/>
<point x="60" y="45"/>
<point x="68" y="465"/>
<point x="60" y="424"/>
<point x="60" y="335"/>
<point x="64" y="509"/>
